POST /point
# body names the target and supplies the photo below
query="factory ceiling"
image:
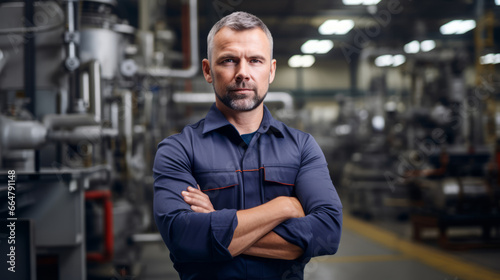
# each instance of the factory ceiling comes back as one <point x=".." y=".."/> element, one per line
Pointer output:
<point x="389" y="25"/>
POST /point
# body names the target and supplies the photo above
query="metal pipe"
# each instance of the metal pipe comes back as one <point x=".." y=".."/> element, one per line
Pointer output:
<point x="127" y="124"/>
<point x="68" y="121"/>
<point x="18" y="135"/>
<point x="30" y="57"/>
<point x="283" y="97"/>
<point x="163" y="72"/>
<point x="146" y="238"/>
<point x="91" y="134"/>
<point x="30" y="67"/>
<point x="3" y="60"/>
<point x="70" y="9"/>
<point x="107" y="254"/>
<point x="71" y="37"/>
<point x="144" y="15"/>
<point x="85" y="89"/>
<point x="95" y="105"/>
<point x="71" y="15"/>
<point x="71" y="62"/>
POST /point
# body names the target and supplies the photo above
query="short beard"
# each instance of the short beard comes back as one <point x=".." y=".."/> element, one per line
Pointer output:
<point x="238" y="102"/>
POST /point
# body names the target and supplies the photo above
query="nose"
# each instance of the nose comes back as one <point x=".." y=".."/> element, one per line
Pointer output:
<point x="243" y="71"/>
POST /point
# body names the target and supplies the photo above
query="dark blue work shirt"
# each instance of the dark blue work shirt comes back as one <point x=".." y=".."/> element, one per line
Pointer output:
<point x="278" y="161"/>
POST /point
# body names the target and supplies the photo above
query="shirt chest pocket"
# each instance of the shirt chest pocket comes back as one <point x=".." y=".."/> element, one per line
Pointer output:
<point x="220" y="186"/>
<point x="279" y="181"/>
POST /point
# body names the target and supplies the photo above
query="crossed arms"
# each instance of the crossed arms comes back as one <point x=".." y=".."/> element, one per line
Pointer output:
<point x="253" y="234"/>
<point x="194" y="232"/>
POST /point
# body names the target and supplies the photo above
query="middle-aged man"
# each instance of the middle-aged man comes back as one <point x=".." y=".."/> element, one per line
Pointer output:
<point x="240" y="195"/>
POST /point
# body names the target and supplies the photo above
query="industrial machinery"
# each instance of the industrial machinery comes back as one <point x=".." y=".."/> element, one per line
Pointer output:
<point x="83" y="100"/>
<point x="436" y="161"/>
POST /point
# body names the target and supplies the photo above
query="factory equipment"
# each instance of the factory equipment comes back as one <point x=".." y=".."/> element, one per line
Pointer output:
<point x="82" y="105"/>
<point x="434" y="162"/>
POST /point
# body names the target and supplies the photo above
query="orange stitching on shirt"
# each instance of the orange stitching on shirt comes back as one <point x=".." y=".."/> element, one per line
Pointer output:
<point x="275" y="181"/>
<point x="250" y="169"/>
<point x="280" y="183"/>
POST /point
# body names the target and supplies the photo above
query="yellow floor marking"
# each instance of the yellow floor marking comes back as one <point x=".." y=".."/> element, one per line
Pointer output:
<point x="425" y="254"/>
<point x="350" y="259"/>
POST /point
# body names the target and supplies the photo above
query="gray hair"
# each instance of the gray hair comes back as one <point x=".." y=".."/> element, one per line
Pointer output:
<point x="237" y="21"/>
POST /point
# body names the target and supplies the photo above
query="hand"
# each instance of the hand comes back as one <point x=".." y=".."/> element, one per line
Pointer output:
<point x="199" y="201"/>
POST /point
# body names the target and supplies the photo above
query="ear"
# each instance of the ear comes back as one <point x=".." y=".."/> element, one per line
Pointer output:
<point x="206" y="70"/>
<point x="272" y="71"/>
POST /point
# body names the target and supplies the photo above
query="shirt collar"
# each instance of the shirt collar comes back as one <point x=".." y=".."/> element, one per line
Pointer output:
<point x="215" y="120"/>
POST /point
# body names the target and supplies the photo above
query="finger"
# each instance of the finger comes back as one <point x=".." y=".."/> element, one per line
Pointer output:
<point x="198" y="209"/>
<point x="192" y="197"/>
<point x="187" y="198"/>
<point x="193" y="190"/>
<point x="197" y="193"/>
<point x="198" y="200"/>
<point x="195" y="197"/>
<point x="189" y="195"/>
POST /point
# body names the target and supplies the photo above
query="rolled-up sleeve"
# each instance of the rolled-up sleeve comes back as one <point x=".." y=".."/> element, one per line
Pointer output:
<point x="318" y="233"/>
<point x="190" y="236"/>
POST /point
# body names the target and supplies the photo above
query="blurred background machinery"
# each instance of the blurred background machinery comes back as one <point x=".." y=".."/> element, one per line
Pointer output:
<point x="401" y="96"/>
<point x="79" y="125"/>
<point x="85" y="97"/>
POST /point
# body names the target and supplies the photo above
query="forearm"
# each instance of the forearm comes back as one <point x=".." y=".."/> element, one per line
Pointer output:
<point x="273" y="246"/>
<point x="255" y="223"/>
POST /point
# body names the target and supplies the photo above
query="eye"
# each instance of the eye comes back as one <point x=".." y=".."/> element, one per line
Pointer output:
<point x="228" y="60"/>
<point x="255" y="60"/>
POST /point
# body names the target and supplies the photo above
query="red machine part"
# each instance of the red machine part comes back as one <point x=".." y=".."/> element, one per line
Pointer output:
<point x="105" y="197"/>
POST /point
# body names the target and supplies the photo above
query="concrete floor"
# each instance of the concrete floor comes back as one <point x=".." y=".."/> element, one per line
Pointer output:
<point x="369" y="251"/>
<point x="361" y="258"/>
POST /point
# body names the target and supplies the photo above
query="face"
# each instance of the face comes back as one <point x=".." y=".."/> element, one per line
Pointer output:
<point x="241" y="68"/>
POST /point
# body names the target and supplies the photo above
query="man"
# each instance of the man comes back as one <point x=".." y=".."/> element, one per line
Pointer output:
<point x="239" y="195"/>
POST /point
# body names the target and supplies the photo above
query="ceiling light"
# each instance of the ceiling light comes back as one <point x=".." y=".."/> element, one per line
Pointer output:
<point x="457" y="27"/>
<point x="466" y="26"/>
<point x="345" y="26"/>
<point x="398" y="60"/>
<point x="427" y="45"/>
<point x="390" y="60"/>
<point x="317" y="46"/>
<point x="416" y="46"/>
<point x="334" y="26"/>
<point x="302" y="61"/>
<point x="497" y="2"/>
<point x="378" y="123"/>
<point x="490" y="58"/>
<point x="450" y="28"/>
<point x="360" y="2"/>
<point x="383" y="60"/>
<point x="412" y="47"/>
